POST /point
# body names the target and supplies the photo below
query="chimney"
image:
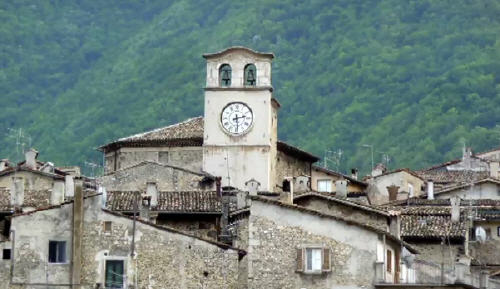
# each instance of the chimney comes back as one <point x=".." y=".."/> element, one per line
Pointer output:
<point x="302" y="184"/>
<point x="17" y="192"/>
<point x="69" y="186"/>
<point x="4" y="164"/>
<point x="354" y="173"/>
<point x="152" y="192"/>
<point x="378" y="170"/>
<point x="455" y="209"/>
<point x="145" y="207"/>
<point x="252" y="186"/>
<point x="289" y="195"/>
<point x="341" y="188"/>
<point x="494" y="167"/>
<point x="30" y="157"/>
<point x="483" y="279"/>
<point x="57" y="194"/>
<point x="393" y="192"/>
<point x="430" y="190"/>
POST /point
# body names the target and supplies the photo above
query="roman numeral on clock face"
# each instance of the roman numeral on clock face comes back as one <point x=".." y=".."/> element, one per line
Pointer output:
<point x="236" y="118"/>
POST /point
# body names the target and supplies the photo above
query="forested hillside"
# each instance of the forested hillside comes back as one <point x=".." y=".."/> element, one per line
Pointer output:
<point x="415" y="79"/>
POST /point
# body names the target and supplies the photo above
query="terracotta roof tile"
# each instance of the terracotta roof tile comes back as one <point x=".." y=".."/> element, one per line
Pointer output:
<point x="181" y="202"/>
<point x="452" y="177"/>
<point x="431" y="226"/>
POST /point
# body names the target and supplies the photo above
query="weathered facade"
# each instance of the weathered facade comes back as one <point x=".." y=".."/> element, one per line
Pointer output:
<point x="406" y="183"/>
<point x="162" y="258"/>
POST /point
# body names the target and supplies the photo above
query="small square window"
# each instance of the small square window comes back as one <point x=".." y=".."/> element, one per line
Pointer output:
<point x="57" y="252"/>
<point x="313" y="260"/>
<point x="6" y="254"/>
<point x="107" y="227"/>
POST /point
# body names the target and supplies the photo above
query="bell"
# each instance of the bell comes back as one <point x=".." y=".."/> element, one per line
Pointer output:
<point x="250" y="77"/>
<point x="226" y="79"/>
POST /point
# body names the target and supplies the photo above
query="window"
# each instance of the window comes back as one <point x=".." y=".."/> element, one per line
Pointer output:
<point x="325" y="186"/>
<point x="389" y="261"/>
<point x="313" y="260"/>
<point x="410" y="190"/>
<point x="114" y="274"/>
<point x="498" y="231"/>
<point x="286" y="186"/>
<point x="57" y="252"/>
<point x="6" y="254"/>
<point x="250" y="75"/>
<point x="163" y="157"/>
<point x="107" y="227"/>
<point x="225" y="75"/>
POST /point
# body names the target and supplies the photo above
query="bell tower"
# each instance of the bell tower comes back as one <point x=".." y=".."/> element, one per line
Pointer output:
<point x="240" y="129"/>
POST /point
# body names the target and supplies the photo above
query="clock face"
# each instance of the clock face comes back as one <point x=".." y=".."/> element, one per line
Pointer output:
<point x="236" y="118"/>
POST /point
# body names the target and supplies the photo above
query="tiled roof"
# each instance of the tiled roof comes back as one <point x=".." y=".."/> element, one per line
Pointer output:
<point x="454" y="177"/>
<point x="431" y="226"/>
<point x="189" y="133"/>
<point x="180" y="202"/>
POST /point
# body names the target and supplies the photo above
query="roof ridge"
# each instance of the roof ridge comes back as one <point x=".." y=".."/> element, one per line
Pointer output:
<point x="158" y="129"/>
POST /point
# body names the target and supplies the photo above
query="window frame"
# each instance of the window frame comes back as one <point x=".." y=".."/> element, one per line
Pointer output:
<point x="221" y="69"/>
<point x="328" y="181"/>
<point x="57" y="252"/>
<point x="302" y="259"/>
<point x="124" y="276"/>
<point x="311" y="263"/>
<point x="245" y="71"/>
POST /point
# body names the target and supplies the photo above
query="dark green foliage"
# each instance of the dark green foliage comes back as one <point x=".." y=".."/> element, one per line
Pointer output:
<point x="413" y="78"/>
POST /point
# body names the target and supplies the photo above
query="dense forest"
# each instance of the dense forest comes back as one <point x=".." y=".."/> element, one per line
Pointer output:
<point x="414" y="79"/>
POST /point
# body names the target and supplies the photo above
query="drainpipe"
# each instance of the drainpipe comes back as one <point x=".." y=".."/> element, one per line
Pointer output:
<point x="77" y="236"/>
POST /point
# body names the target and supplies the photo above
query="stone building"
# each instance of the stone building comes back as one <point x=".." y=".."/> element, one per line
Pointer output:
<point x="395" y="185"/>
<point x="295" y="247"/>
<point x="237" y="137"/>
<point x="325" y="180"/>
<point x="97" y="248"/>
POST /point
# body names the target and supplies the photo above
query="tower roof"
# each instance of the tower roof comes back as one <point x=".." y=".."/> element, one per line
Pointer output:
<point x="238" y="48"/>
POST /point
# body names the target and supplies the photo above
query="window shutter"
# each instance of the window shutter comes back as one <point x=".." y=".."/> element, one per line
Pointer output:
<point x="327" y="264"/>
<point x="300" y="260"/>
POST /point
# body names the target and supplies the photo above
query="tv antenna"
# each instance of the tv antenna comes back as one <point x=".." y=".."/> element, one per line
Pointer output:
<point x="22" y="139"/>
<point x="333" y="156"/>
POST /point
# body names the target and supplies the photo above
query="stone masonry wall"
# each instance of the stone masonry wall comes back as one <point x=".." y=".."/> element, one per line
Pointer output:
<point x="272" y="255"/>
<point x="166" y="178"/>
<point x="287" y="166"/>
<point x="164" y="259"/>
<point x="186" y="157"/>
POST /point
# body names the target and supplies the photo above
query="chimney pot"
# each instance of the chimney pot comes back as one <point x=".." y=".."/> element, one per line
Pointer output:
<point x="341" y="188"/>
<point x="69" y="186"/>
<point x="455" y="209"/>
<point x="4" y="164"/>
<point x="30" y="158"/>
<point x="430" y="190"/>
<point x="152" y="192"/>
<point x="252" y="186"/>
<point x="354" y="173"/>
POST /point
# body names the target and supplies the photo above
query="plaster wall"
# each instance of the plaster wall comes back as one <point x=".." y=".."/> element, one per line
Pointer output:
<point x="31" y="247"/>
<point x="319" y="175"/>
<point x="247" y="156"/>
<point x="166" y="178"/>
<point x="344" y="211"/>
<point x="436" y="253"/>
<point x="377" y="189"/>
<point x="238" y="60"/>
<point x="276" y="232"/>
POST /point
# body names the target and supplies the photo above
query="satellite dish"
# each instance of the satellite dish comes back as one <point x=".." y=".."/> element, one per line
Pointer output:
<point x="480" y="234"/>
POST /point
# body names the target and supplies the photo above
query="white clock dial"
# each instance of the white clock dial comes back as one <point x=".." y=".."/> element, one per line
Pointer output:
<point x="236" y="118"/>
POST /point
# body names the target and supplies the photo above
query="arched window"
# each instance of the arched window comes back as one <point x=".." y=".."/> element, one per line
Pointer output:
<point x="250" y="75"/>
<point x="225" y="75"/>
